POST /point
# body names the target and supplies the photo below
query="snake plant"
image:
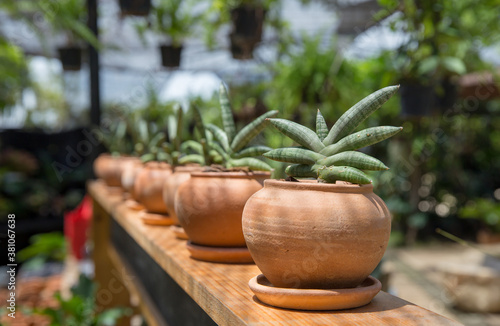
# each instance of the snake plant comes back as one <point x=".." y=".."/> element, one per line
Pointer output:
<point x="330" y="155"/>
<point x="232" y="146"/>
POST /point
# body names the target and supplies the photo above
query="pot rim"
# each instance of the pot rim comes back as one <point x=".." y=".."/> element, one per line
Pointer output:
<point x="340" y="186"/>
<point x="187" y="168"/>
<point x="235" y="174"/>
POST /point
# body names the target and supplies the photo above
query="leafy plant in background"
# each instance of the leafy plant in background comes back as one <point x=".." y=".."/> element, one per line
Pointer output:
<point x="14" y="76"/>
<point x="443" y="37"/>
<point x="234" y="146"/>
<point x="329" y="155"/>
<point x="67" y="17"/>
<point x="81" y="309"/>
<point x="174" y="20"/>
<point x="44" y="247"/>
<point x="485" y="210"/>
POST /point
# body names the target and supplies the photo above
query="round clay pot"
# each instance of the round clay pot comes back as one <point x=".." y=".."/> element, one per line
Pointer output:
<point x="313" y="235"/>
<point x="172" y="183"/>
<point x="148" y="187"/>
<point x="129" y="174"/>
<point x="109" y="168"/>
<point x="209" y="206"/>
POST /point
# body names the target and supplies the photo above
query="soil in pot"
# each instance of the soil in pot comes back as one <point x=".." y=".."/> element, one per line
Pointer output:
<point x="170" y="56"/>
<point x="172" y="183"/>
<point x="417" y="100"/>
<point x="209" y="207"/>
<point x="135" y="7"/>
<point x="110" y="168"/>
<point x="148" y="189"/>
<point x="71" y="58"/>
<point x="310" y="235"/>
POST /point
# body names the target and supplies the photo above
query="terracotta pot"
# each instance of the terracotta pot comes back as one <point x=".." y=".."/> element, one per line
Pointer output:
<point x="109" y="168"/>
<point x="148" y="187"/>
<point x="209" y="206"/>
<point x="129" y="175"/>
<point x="180" y="175"/>
<point x="315" y="235"/>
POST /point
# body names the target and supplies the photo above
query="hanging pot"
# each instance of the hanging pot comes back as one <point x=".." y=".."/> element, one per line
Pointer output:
<point x="417" y="100"/>
<point x="135" y="7"/>
<point x="71" y="58"/>
<point x="247" y="22"/>
<point x="170" y="56"/>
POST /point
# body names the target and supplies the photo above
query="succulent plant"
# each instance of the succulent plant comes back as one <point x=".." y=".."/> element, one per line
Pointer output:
<point x="330" y="155"/>
<point x="232" y="146"/>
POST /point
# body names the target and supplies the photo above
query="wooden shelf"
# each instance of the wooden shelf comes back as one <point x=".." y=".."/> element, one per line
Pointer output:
<point x="221" y="290"/>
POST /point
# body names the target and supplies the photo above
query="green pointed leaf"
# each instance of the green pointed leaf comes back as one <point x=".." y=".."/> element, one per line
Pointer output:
<point x="156" y="140"/>
<point x="220" y="150"/>
<point x="198" y="120"/>
<point x="143" y="131"/>
<point x="164" y="157"/>
<point x="251" y="130"/>
<point x="252" y="151"/>
<point x="219" y="135"/>
<point x="147" y="157"/>
<point x="342" y="173"/>
<point x="298" y="133"/>
<point x="354" y="159"/>
<point x="192" y="158"/>
<point x="171" y="128"/>
<point x="178" y="135"/>
<point x="191" y="145"/>
<point x="251" y="163"/>
<point x="294" y="155"/>
<point x="301" y="171"/>
<point x="358" y="113"/>
<point x="321" y="127"/>
<point x="227" y="114"/>
<point x="361" y="139"/>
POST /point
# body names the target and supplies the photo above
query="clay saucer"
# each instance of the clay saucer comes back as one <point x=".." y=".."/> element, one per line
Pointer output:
<point x="236" y="255"/>
<point x="134" y="205"/>
<point x="314" y="299"/>
<point x="179" y="232"/>
<point x="155" y="219"/>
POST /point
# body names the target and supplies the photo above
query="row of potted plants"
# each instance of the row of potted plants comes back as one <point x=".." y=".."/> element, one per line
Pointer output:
<point x="322" y="228"/>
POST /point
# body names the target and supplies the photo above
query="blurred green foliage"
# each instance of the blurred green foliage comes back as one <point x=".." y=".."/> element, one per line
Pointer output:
<point x="13" y="73"/>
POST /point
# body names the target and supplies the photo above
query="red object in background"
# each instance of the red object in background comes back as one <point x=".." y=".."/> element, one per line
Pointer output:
<point x="76" y="226"/>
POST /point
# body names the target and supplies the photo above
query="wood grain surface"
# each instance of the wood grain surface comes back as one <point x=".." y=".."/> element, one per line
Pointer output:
<point x="222" y="291"/>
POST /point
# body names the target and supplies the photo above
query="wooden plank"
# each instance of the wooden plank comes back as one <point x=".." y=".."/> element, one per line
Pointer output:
<point x="134" y="285"/>
<point x="222" y="289"/>
<point x="110" y="291"/>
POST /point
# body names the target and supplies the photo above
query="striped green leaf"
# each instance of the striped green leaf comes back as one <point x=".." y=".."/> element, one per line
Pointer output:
<point x="361" y="139"/>
<point x="342" y="173"/>
<point x="227" y="114"/>
<point x="321" y="127"/>
<point x="250" y="131"/>
<point x="298" y="133"/>
<point x="354" y="159"/>
<point x="294" y="155"/>
<point x="219" y="135"/>
<point x="191" y="145"/>
<point x="250" y="162"/>
<point x="178" y="135"/>
<point x="171" y="127"/>
<point x="164" y="157"/>
<point x="192" y="158"/>
<point x="301" y="171"/>
<point x="157" y="140"/>
<point x="358" y="113"/>
<point x="252" y="151"/>
<point x="198" y="120"/>
<point x="215" y="146"/>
